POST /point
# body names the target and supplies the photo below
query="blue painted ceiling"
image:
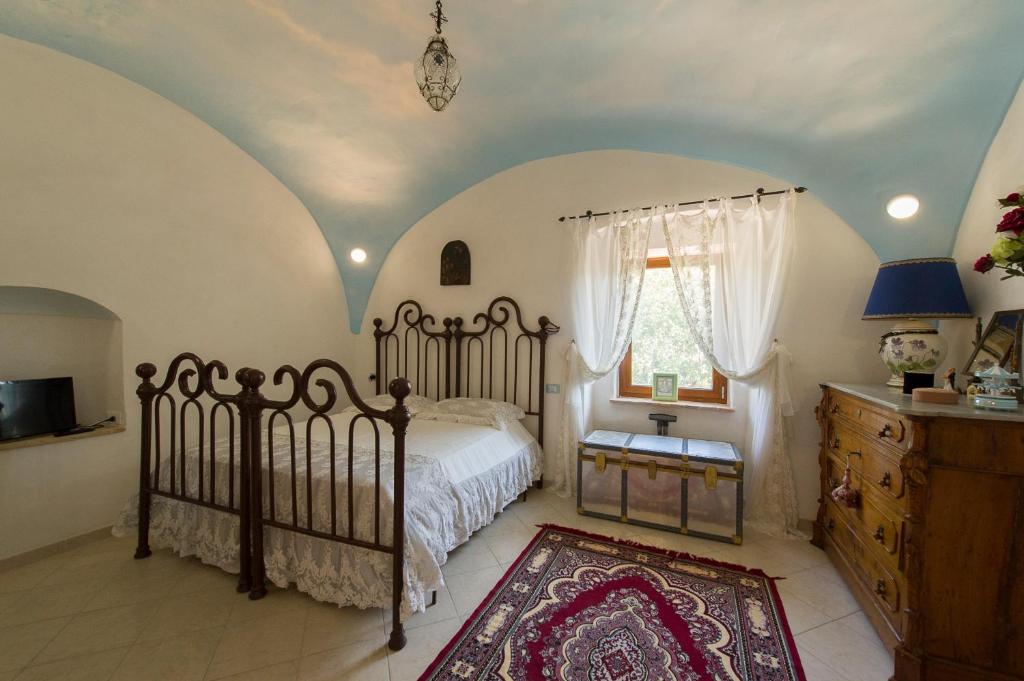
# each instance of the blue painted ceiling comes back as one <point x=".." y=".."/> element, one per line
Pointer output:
<point x="857" y="100"/>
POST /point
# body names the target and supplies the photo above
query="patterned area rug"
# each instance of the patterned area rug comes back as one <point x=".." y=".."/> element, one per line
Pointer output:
<point x="578" y="606"/>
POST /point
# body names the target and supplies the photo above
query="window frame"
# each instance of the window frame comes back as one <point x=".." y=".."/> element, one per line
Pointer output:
<point x="717" y="394"/>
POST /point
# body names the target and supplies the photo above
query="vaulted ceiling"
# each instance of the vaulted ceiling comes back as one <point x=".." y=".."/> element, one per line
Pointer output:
<point x="857" y="100"/>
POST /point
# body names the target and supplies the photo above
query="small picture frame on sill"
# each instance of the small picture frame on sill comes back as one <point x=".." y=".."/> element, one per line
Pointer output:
<point x="665" y="387"/>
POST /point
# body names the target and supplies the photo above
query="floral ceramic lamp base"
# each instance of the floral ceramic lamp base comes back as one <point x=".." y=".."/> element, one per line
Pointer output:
<point x="913" y="346"/>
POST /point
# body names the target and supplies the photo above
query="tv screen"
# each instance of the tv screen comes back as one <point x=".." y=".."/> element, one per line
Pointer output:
<point x="36" y="407"/>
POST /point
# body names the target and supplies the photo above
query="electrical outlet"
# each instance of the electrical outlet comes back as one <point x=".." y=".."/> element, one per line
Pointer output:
<point x="118" y="417"/>
<point x="552" y="388"/>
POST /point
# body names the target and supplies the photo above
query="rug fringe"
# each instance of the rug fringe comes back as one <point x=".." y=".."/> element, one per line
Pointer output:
<point x="669" y="553"/>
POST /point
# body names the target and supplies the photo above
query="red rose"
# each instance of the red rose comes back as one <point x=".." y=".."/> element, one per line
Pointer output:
<point x="1013" y="198"/>
<point x="1013" y="221"/>
<point x="984" y="264"/>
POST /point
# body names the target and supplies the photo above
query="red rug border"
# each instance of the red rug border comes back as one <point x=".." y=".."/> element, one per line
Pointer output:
<point x="787" y="630"/>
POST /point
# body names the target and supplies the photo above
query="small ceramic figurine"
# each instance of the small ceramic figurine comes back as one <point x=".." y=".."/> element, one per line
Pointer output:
<point x="950" y="383"/>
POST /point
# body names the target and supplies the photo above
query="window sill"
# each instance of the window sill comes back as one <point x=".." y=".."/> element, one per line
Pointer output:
<point x="709" y="406"/>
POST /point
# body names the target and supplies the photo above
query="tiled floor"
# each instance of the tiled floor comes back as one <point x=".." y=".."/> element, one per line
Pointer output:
<point x="94" y="614"/>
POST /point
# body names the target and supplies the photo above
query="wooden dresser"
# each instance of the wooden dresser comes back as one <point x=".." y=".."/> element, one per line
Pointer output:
<point x="934" y="547"/>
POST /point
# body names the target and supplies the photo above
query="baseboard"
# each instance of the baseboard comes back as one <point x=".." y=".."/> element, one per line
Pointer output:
<point x="53" y="549"/>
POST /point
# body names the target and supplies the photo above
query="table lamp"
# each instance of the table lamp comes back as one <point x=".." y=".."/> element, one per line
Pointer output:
<point x="909" y="291"/>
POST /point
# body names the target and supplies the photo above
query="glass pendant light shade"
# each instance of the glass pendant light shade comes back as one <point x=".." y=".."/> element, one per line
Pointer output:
<point x="437" y="74"/>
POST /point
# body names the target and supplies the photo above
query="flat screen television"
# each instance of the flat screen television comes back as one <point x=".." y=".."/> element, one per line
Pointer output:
<point x="36" y="407"/>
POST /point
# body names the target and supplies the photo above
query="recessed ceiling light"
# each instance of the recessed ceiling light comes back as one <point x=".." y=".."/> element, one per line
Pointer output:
<point x="357" y="255"/>
<point x="903" y="206"/>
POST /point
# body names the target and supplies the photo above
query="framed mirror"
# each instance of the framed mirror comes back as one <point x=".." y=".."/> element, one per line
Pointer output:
<point x="998" y="344"/>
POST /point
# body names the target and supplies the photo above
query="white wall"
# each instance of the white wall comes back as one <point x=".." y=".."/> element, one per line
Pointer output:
<point x="113" y="193"/>
<point x="520" y="249"/>
<point x="87" y="350"/>
<point x="1001" y="173"/>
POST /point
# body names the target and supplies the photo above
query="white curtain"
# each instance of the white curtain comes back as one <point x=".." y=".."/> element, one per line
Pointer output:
<point x="609" y="261"/>
<point x="746" y="247"/>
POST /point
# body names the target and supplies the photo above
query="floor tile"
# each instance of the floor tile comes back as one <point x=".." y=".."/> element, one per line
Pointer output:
<point x="816" y="670"/>
<point x="191" y="612"/>
<point x="471" y="556"/>
<point x="181" y="658"/>
<point x="859" y="622"/>
<point x="92" y="667"/>
<point x="125" y="590"/>
<point x="813" y="586"/>
<point x="846" y="651"/>
<point x="801" y="614"/>
<point x="328" y="626"/>
<point x="99" y="630"/>
<point x="29" y="576"/>
<point x="21" y="643"/>
<point x="510" y="544"/>
<point x="365" y="661"/>
<point x="422" y="647"/>
<point x="285" y="671"/>
<point x="261" y="643"/>
<point x="473" y="587"/>
<point x="47" y="602"/>
<point x="87" y="567"/>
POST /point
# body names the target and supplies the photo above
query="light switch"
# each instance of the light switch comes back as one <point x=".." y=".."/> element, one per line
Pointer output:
<point x="552" y="388"/>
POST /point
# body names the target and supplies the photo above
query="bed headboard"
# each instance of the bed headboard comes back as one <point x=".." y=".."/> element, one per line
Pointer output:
<point x="496" y="356"/>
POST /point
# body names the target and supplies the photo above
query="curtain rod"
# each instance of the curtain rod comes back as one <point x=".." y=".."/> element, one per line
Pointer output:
<point x="759" y="192"/>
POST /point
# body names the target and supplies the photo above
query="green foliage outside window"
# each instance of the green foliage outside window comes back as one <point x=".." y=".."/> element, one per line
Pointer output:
<point x="661" y="341"/>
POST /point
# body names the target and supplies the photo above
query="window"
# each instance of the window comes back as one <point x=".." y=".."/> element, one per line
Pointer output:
<point x="661" y="342"/>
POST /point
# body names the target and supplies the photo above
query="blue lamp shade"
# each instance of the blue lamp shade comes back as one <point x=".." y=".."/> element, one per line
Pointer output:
<point x="922" y="288"/>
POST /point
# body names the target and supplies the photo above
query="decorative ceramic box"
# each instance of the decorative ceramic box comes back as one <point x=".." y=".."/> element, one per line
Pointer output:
<point x="679" y="485"/>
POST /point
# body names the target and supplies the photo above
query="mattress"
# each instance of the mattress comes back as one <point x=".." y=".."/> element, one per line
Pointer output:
<point x="463" y="451"/>
<point x="481" y="470"/>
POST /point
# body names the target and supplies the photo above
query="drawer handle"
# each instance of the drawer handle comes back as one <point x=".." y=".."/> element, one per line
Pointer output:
<point x="854" y="452"/>
<point x="835" y="442"/>
<point x="880" y="534"/>
<point x="830" y="525"/>
<point x="886" y="480"/>
<point x="834" y="409"/>
<point x="880" y="587"/>
<point x="886" y="431"/>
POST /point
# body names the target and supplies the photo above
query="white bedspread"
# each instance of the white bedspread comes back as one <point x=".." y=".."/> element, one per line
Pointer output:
<point x="480" y="469"/>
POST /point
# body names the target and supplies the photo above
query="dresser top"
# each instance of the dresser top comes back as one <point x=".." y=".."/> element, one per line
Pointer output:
<point x="894" y="399"/>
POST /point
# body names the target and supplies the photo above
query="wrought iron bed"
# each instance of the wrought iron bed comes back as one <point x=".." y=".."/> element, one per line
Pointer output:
<point x="180" y="461"/>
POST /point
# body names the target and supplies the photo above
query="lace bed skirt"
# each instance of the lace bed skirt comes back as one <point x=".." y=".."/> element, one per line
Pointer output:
<point x="339" y="573"/>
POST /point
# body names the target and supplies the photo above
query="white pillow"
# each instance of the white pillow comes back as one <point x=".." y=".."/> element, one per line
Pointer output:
<point x="414" y="403"/>
<point x="475" y="411"/>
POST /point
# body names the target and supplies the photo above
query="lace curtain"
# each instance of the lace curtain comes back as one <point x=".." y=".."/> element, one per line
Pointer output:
<point x="749" y="245"/>
<point x="609" y="261"/>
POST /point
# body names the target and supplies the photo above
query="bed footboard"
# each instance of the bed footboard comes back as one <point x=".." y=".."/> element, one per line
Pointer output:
<point x="185" y="461"/>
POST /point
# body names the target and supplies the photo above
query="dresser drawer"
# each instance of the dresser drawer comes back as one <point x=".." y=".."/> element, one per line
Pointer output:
<point x="882" y="425"/>
<point x="874" y="522"/>
<point x="873" y="574"/>
<point x="879" y="466"/>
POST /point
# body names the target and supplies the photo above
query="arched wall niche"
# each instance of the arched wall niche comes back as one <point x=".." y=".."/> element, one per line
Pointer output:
<point x="510" y="223"/>
<point x="46" y="333"/>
